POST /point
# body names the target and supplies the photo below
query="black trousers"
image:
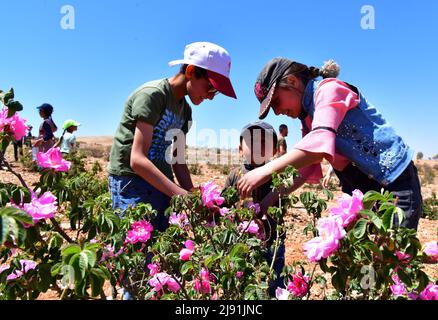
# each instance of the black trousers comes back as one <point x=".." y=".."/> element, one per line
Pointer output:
<point x="406" y="188"/>
<point x="18" y="144"/>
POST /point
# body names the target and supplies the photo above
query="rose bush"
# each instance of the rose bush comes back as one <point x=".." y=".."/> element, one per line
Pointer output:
<point x="62" y="234"/>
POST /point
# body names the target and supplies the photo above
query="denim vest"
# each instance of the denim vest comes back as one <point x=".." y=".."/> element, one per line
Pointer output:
<point x="366" y="139"/>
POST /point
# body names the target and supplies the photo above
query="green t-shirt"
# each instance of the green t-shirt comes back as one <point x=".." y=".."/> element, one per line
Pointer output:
<point x="153" y="103"/>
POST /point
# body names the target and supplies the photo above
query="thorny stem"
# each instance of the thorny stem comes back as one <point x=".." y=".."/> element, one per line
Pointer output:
<point x="276" y="240"/>
<point x="177" y="281"/>
<point x="60" y="231"/>
<point x="311" y="279"/>
<point x="13" y="172"/>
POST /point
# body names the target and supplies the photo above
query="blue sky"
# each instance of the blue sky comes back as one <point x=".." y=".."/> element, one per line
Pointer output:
<point x="87" y="73"/>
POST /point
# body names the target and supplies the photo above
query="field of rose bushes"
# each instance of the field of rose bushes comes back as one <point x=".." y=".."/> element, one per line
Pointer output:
<point x="60" y="234"/>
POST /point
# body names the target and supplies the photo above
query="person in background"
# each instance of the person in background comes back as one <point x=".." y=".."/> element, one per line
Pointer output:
<point x="46" y="138"/>
<point x="68" y="138"/>
<point x="18" y="148"/>
<point x="281" y="145"/>
<point x="29" y="137"/>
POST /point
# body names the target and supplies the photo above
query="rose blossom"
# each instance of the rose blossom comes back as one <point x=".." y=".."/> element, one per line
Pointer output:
<point x="398" y="288"/>
<point x="162" y="280"/>
<point x="299" y="285"/>
<point x="41" y="208"/>
<point x="330" y="233"/>
<point x="211" y="195"/>
<point x="349" y="207"/>
<point x="179" y="219"/>
<point x="15" y="125"/>
<point x="252" y="228"/>
<point x="430" y="292"/>
<point x="203" y="285"/>
<point x="431" y="250"/>
<point x="140" y="232"/>
<point x="53" y="159"/>
<point x="186" y="253"/>
<point x="282" y="294"/>
<point x="26" y="265"/>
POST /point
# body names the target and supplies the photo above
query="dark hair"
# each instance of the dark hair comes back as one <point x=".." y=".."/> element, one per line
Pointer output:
<point x="330" y="69"/>
<point x="282" y="127"/>
<point x="199" y="72"/>
<point x="251" y="130"/>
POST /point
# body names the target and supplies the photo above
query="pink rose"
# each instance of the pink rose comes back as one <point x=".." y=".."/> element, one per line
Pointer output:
<point x="330" y="228"/>
<point x="398" y="288"/>
<point x="140" y="232"/>
<point x="282" y="294"/>
<point x="252" y="227"/>
<point x="162" y="280"/>
<point x="299" y="285"/>
<point x="431" y="250"/>
<point x="41" y="208"/>
<point x="53" y="159"/>
<point x="186" y="253"/>
<point x="26" y="265"/>
<point x="430" y="292"/>
<point x="15" y="125"/>
<point x="172" y="285"/>
<point x="202" y="285"/>
<point x="403" y="257"/>
<point x="254" y="206"/>
<point x="330" y="233"/>
<point x="349" y="207"/>
<point x="211" y="195"/>
<point x="153" y="269"/>
<point x="179" y="219"/>
<point x="224" y="211"/>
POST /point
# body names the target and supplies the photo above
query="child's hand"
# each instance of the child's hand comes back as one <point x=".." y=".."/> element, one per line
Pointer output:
<point x="252" y="180"/>
<point x="38" y="142"/>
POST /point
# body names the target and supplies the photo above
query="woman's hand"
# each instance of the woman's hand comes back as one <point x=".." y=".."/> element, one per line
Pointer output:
<point x="252" y="180"/>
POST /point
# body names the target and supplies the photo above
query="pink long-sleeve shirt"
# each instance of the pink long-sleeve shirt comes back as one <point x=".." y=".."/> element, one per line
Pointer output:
<point x="333" y="98"/>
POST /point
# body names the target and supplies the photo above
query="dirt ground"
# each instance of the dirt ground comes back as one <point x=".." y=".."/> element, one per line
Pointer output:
<point x="97" y="149"/>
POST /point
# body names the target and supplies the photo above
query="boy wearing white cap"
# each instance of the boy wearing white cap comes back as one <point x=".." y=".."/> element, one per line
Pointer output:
<point x="141" y="168"/>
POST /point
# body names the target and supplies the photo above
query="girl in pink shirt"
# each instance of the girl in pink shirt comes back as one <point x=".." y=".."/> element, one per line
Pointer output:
<point x="340" y="125"/>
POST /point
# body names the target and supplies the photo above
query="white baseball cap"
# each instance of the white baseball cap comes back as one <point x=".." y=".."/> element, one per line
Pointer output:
<point x="212" y="58"/>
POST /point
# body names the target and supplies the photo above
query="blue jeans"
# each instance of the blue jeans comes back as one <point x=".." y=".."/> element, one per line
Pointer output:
<point x="131" y="190"/>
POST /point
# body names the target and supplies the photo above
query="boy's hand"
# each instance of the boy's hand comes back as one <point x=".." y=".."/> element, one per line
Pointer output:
<point x="182" y="191"/>
<point x="252" y="180"/>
